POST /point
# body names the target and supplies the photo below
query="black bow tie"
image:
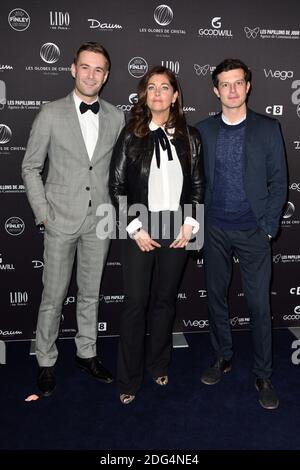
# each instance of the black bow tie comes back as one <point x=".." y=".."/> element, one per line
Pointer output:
<point x="85" y="107"/>
<point x="161" y="138"/>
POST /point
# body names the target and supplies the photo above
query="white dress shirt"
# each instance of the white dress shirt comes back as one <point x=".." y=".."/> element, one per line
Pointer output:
<point x="89" y="125"/>
<point x="164" y="185"/>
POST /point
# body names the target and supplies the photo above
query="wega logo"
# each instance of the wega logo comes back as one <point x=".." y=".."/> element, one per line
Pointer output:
<point x="196" y="323"/>
<point x="50" y="53"/>
<point x="163" y="15"/>
<point x="281" y="74"/>
<point x="18" y="19"/>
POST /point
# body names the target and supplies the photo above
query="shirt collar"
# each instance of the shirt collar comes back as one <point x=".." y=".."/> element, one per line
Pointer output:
<point x="233" y="123"/>
<point x="153" y="127"/>
<point x="78" y="100"/>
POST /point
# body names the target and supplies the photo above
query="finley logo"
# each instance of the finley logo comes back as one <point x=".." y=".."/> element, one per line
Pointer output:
<point x="18" y="19"/>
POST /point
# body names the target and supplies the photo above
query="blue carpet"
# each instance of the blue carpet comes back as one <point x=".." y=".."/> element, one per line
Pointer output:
<point x="83" y="414"/>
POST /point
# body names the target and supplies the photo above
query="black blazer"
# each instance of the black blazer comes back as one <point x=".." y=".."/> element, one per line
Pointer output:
<point x="130" y="168"/>
<point x="264" y="168"/>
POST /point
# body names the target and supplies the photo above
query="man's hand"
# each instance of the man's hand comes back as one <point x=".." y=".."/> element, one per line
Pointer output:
<point x="183" y="237"/>
<point x="144" y="241"/>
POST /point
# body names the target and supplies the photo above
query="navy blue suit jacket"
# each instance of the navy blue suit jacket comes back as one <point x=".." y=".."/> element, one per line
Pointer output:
<point x="264" y="166"/>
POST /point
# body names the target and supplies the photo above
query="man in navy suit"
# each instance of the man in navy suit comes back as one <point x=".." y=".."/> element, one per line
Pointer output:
<point x="246" y="186"/>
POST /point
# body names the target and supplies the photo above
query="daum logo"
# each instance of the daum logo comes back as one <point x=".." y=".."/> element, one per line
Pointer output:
<point x="50" y="53"/>
<point x="5" y="134"/>
<point x="163" y="15"/>
<point x="18" y="19"/>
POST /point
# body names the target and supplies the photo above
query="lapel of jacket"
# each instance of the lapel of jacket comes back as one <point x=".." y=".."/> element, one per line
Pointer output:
<point x="212" y="139"/>
<point x="102" y="129"/>
<point x="249" y="137"/>
<point x="75" y="129"/>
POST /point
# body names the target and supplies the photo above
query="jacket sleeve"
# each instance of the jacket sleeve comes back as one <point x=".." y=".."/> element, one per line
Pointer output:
<point x="197" y="170"/>
<point x="276" y="180"/>
<point x="118" y="174"/>
<point x="33" y="164"/>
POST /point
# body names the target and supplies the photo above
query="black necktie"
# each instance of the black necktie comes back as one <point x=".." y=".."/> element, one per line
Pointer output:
<point x="85" y="107"/>
<point x="161" y="138"/>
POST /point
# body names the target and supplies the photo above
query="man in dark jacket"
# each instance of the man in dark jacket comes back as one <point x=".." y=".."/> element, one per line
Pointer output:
<point x="246" y="185"/>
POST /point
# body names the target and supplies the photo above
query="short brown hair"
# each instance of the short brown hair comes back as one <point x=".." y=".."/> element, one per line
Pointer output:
<point x="93" y="47"/>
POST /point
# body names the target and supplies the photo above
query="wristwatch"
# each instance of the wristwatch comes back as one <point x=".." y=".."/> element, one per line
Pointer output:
<point x="133" y="234"/>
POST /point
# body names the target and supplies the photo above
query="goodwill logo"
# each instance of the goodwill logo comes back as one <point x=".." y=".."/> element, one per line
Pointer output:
<point x="5" y="266"/>
<point x="132" y="99"/>
<point x="215" y="30"/>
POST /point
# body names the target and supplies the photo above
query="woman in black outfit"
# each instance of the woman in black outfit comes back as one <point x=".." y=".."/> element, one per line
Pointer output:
<point x="156" y="164"/>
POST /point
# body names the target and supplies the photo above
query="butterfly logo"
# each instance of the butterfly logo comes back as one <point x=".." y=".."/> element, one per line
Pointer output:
<point x="251" y="33"/>
<point x="201" y="69"/>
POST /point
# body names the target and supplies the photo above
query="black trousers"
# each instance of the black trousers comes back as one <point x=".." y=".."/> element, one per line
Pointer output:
<point x="252" y="247"/>
<point x="137" y="273"/>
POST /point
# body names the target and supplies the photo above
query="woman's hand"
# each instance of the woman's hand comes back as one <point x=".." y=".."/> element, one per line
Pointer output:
<point x="183" y="237"/>
<point x="144" y="241"/>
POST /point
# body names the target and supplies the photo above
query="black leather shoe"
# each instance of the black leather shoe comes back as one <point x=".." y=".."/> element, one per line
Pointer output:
<point x="46" y="381"/>
<point x="93" y="367"/>
<point x="213" y="374"/>
<point x="267" y="395"/>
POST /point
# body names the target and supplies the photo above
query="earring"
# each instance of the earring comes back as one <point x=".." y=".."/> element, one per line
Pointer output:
<point x="172" y="105"/>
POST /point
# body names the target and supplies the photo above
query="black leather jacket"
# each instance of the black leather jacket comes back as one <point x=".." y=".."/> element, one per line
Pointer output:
<point x="130" y="168"/>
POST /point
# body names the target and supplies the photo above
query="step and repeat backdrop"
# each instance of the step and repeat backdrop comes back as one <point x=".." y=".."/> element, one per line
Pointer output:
<point x="38" y="41"/>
